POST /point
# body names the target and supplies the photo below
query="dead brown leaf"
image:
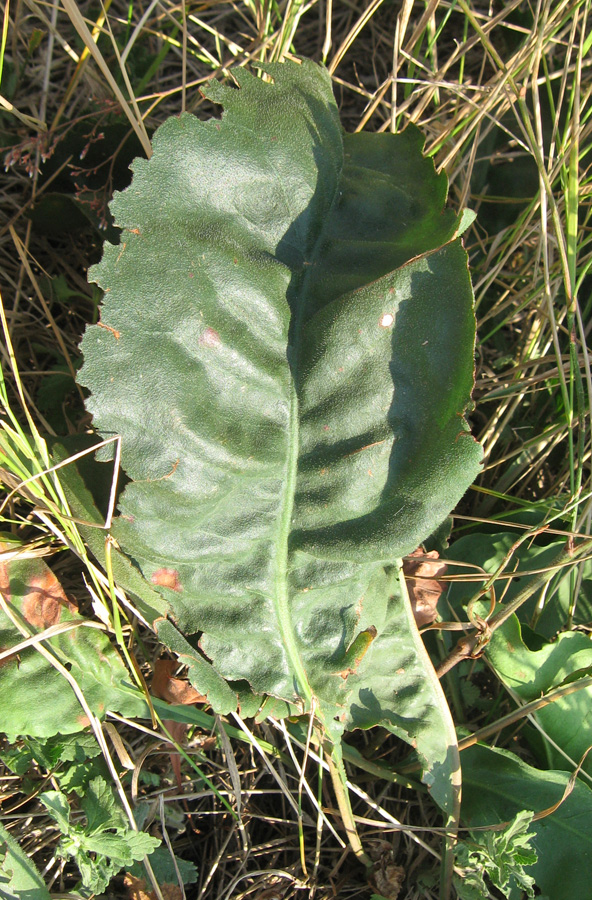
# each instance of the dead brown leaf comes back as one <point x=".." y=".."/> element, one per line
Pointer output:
<point x="173" y="690"/>
<point x="389" y="880"/>
<point x="137" y="889"/>
<point x="421" y="575"/>
<point x="387" y="877"/>
<point x="44" y="601"/>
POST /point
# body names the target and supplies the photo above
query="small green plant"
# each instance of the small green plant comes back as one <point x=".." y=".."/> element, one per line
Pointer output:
<point x="95" y="831"/>
<point x="497" y="858"/>
<point x="103" y="843"/>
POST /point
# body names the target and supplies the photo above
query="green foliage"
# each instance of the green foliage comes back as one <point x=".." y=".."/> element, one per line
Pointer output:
<point x="101" y="843"/>
<point x="287" y="353"/>
<point x="165" y="868"/>
<point x="19" y="879"/>
<point x="497" y="786"/>
<point x="497" y="857"/>
<point x="73" y="760"/>
<point x="568" y="720"/>
<point x="53" y="394"/>
<point x="519" y="129"/>
<point x="87" y="485"/>
<point x="104" y="844"/>
<point x="488" y="551"/>
<point x="521" y="656"/>
<point x="74" y="747"/>
<point x="36" y="698"/>
<point x="17" y="759"/>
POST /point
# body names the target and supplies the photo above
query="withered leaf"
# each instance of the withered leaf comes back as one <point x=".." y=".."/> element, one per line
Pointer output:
<point x="173" y="690"/>
<point x="137" y="890"/>
<point x="422" y="570"/>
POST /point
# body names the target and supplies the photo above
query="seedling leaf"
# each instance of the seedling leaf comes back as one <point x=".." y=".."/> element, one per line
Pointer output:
<point x="498" y="857"/>
<point x="497" y="786"/>
<point x="105" y="844"/>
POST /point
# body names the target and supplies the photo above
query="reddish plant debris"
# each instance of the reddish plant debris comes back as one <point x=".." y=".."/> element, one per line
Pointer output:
<point x="168" y="578"/>
<point x="114" y="331"/>
<point x="44" y="601"/>
<point x="137" y="889"/>
<point x="4" y="582"/>
<point x="173" y="690"/>
<point x="44" y="598"/>
<point x="424" y="588"/>
<point x="177" y="692"/>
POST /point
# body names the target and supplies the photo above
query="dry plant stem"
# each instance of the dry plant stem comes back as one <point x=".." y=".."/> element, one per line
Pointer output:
<point x="350" y="38"/>
<point x="82" y="29"/>
<point x="338" y="778"/>
<point x="82" y="62"/>
<point x="21" y="250"/>
<point x="522" y="711"/>
<point x="467" y="646"/>
<point x="328" y="39"/>
<point x="319" y="758"/>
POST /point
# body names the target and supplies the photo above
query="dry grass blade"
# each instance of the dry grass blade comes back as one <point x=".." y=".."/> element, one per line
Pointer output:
<point x="133" y="116"/>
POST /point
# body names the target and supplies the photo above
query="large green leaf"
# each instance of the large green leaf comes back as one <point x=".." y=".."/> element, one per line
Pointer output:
<point x="287" y="353"/>
<point x="497" y="785"/>
<point x="530" y="673"/>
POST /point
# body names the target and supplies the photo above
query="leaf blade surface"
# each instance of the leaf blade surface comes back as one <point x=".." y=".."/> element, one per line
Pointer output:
<point x="292" y="426"/>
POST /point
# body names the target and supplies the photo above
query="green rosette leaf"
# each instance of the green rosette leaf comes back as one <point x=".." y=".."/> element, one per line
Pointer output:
<point x="286" y="349"/>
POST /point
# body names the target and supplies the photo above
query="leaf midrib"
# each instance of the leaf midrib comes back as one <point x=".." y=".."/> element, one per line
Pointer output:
<point x="282" y="593"/>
